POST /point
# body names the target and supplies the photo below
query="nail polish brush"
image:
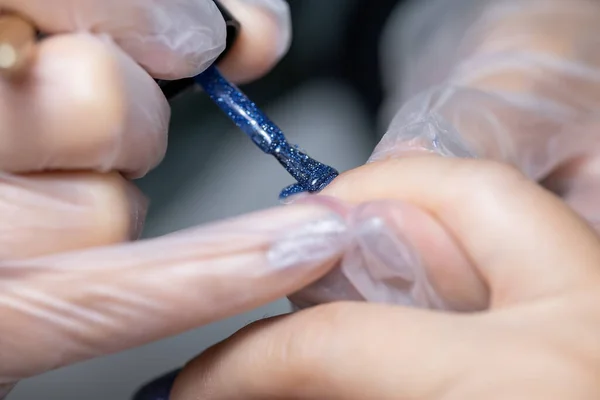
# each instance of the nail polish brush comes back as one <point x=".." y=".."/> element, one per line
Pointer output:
<point x="311" y="176"/>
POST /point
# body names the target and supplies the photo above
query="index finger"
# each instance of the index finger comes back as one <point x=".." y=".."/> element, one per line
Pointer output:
<point x="104" y="300"/>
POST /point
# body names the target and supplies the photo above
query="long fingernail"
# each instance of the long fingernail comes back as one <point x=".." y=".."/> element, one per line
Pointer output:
<point x="280" y="10"/>
<point x="310" y="244"/>
<point x="158" y="389"/>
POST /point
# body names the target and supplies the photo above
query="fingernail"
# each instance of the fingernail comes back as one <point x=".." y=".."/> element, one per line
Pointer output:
<point x="280" y="10"/>
<point x="309" y="244"/>
<point x="158" y="389"/>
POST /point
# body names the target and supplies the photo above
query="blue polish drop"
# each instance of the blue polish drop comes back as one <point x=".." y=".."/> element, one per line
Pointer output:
<point x="311" y="175"/>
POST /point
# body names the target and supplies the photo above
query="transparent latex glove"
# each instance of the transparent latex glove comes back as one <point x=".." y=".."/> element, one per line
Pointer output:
<point x="528" y="259"/>
<point x="512" y="81"/>
<point x="516" y="81"/>
<point x="538" y="339"/>
<point x="59" y="309"/>
<point x="86" y="117"/>
<point x="62" y="308"/>
<point x="90" y="88"/>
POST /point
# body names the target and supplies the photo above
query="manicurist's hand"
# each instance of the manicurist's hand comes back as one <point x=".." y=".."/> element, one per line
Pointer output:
<point x="501" y="80"/>
<point x="489" y="239"/>
<point x="85" y="119"/>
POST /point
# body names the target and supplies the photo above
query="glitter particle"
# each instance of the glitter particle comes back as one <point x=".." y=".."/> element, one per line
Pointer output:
<point x="311" y="175"/>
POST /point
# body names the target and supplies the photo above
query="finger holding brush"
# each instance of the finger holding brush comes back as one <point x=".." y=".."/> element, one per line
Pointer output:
<point x="17" y="40"/>
<point x="88" y="101"/>
<point x="93" y="73"/>
<point x="86" y="116"/>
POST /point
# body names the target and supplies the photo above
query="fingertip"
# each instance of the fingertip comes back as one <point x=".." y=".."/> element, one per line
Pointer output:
<point x="71" y="86"/>
<point x="142" y="142"/>
<point x="65" y="110"/>
<point x="264" y="38"/>
<point x="181" y="41"/>
<point x="118" y="207"/>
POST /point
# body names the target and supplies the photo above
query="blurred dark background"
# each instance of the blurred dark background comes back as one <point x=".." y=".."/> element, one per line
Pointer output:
<point x="325" y="95"/>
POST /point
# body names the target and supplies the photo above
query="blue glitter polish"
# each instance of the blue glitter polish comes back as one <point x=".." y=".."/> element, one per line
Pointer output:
<point x="311" y="175"/>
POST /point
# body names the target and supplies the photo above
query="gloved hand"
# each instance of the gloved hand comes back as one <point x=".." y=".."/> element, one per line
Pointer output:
<point x="90" y="91"/>
<point x="90" y="112"/>
<point x="538" y="340"/>
<point x="515" y="81"/>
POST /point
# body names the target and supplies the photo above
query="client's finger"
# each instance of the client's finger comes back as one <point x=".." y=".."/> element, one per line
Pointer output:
<point x="55" y="212"/>
<point x="83" y="105"/>
<point x="103" y="300"/>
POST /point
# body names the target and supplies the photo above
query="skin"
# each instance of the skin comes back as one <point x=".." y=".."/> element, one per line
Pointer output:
<point x="83" y="121"/>
<point x="536" y="340"/>
<point x="100" y="120"/>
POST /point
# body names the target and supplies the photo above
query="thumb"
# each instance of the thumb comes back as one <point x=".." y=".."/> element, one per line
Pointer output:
<point x="330" y="352"/>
